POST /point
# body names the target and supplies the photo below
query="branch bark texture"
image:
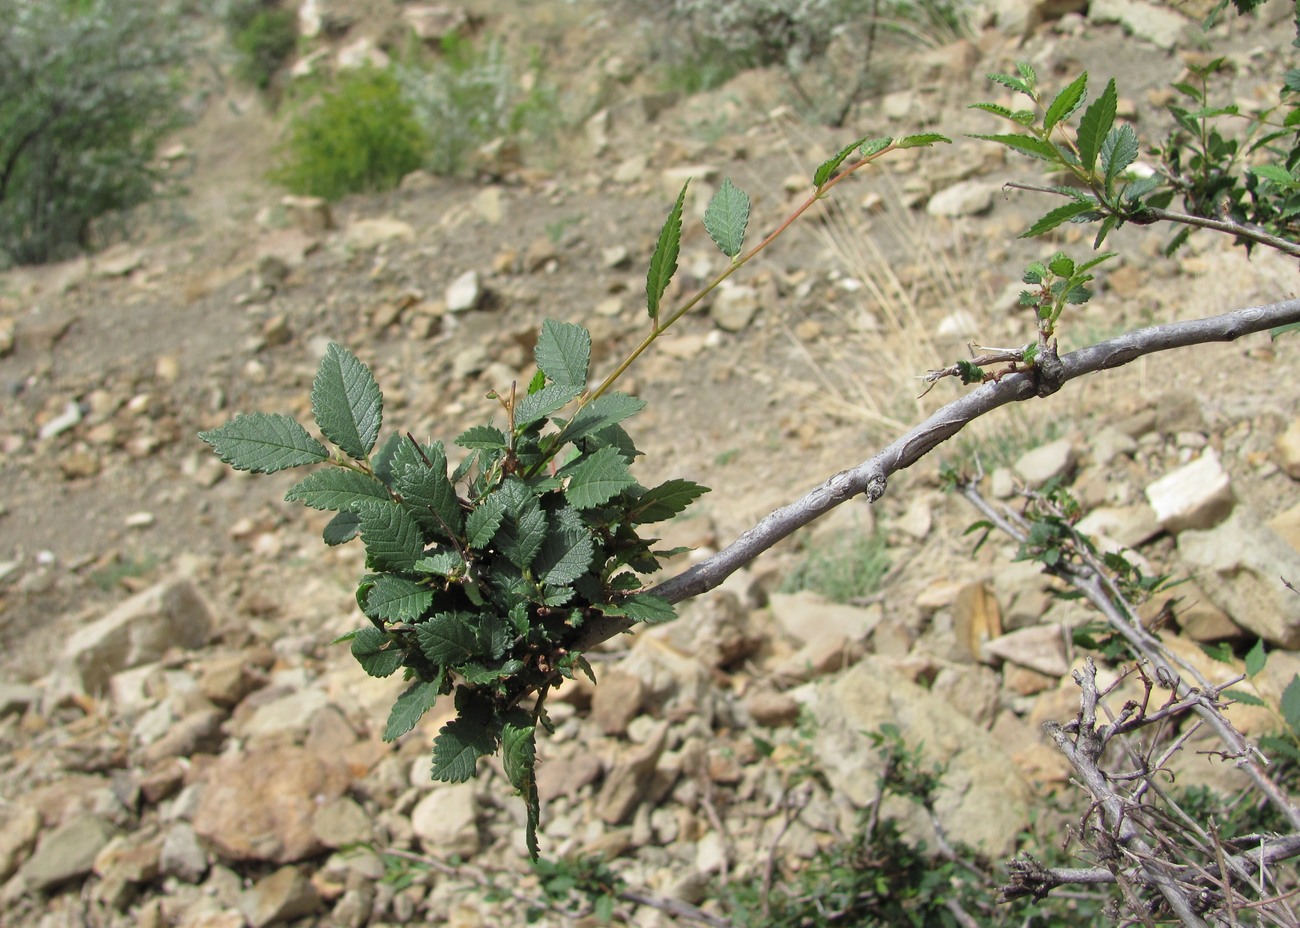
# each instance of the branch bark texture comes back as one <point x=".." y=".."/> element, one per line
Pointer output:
<point x="872" y="475"/>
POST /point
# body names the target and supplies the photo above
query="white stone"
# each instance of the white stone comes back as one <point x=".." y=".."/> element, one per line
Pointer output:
<point x="445" y="820"/>
<point x="964" y="198"/>
<point x="734" y="306"/>
<point x="65" y="420"/>
<point x="1055" y="459"/>
<point x="1038" y="647"/>
<point x="1197" y="495"/>
<point x="464" y="293"/>
<point x="806" y="616"/>
<point x="365" y="234"/>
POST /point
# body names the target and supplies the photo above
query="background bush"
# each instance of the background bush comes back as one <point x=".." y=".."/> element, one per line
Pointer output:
<point x="265" y="37"/>
<point x="362" y="136"/>
<point x="87" y="90"/>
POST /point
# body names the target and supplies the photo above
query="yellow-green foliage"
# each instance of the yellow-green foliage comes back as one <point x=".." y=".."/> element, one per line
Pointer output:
<point x="360" y="138"/>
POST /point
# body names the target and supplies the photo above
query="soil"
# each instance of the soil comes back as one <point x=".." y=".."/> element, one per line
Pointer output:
<point x="171" y="333"/>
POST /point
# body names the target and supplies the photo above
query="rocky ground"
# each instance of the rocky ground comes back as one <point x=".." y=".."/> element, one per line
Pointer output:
<point x="183" y="747"/>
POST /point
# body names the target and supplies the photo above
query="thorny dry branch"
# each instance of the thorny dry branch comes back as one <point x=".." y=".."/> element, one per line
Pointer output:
<point x="1140" y="844"/>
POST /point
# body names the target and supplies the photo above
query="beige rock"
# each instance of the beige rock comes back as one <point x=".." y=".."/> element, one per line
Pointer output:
<point x="806" y="616"/>
<point x="140" y="630"/>
<point x="629" y="777"/>
<point x="1040" y="648"/>
<point x="976" y="618"/>
<point x="260" y="805"/>
<point x="1055" y="459"/>
<point x="281" y="897"/>
<point x="445" y="820"/>
<point x="617" y="700"/>
<point x="312" y="215"/>
<point x="17" y="837"/>
<point x="368" y="234"/>
<point x="1288" y="450"/>
<point x="1197" y="495"/>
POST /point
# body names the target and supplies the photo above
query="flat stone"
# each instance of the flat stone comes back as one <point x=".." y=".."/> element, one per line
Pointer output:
<point x="260" y="805"/>
<point x="628" y="780"/>
<point x="182" y="856"/>
<point x="445" y="820"/>
<point x="140" y="630"/>
<point x="1039" y="647"/>
<point x="283" y="896"/>
<point x="1129" y="526"/>
<point x="964" y="198"/>
<point x="805" y="616"/>
<point x="367" y="234"/>
<point x="17" y="838"/>
<point x="342" y="822"/>
<point x="310" y="214"/>
<point x="617" y="701"/>
<point x="733" y="306"/>
<point x="289" y="715"/>
<point x="1046" y="462"/>
<point x="1158" y="25"/>
<point x="66" y="853"/>
<point x="1286" y="524"/>
<point x="772" y="709"/>
<point x="197" y="733"/>
<point x="567" y="774"/>
<point x="1241" y="563"/>
<point x="464" y="293"/>
<point x="1197" y="495"/>
<point x="980" y="776"/>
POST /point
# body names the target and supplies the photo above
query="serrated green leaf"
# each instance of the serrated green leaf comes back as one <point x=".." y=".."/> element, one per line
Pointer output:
<point x="663" y="263"/>
<point x="727" y="217"/>
<point x="648" y="608"/>
<point x="874" y="146"/>
<point x="428" y="494"/>
<point x="1028" y="73"/>
<point x="495" y="634"/>
<point x="448" y="638"/>
<point x="264" y="443"/>
<point x="1278" y="331"/>
<point x="567" y="552"/>
<point x="597" y="478"/>
<point x="563" y="353"/>
<point x="1019" y="117"/>
<point x="1012" y="83"/>
<point x="1220" y="651"/>
<point x="483" y="522"/>
<point x="1093" y="262"/>
<point x="523" y="530"/>
<point x="483" y="437"/>
<point x="1056" y="217"/>
<point x="1241" y="696"/>
<point x="338" y="489"/>
<point x="409" y="708"/>
<point x="1291" y="704"/>
<point x="1118" y="151"/>
<point x="342" y="528"/>
<point x="1066" y="102"/>
<point x="382" y="460"/>
<point x="602" y="412"/>
<point x="378" y="655"/>
<point x="545" y="401"/>
<point x="1107" y="224"/>
<point x="921" y="140"/>
<point x="519" y="760"/>
<point x="396" y="599"/>
<point x="346" y="402"/>
<point x="440" y="563"/>
<point x="1026" y="145"/>
<point x="832" y="164"/>
<point x="1061" y="264"/>
<point x="459" y="745"/>
<point x="666" y="500"/>
<point x="1275" y="174"/>
<point x="1095" y="125"/>
<point x="391" y="536"/>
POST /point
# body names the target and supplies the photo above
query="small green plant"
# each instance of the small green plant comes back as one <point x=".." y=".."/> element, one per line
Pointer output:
<point x="485" y="581"/>
<point x="845" y="571"/>
<point x="361" y="136"/>
<point x="265" y="38"/>
<point x="87" y="92"/>
<point x="471" y="96"/>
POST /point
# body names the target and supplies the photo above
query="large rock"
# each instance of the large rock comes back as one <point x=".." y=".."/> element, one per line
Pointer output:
<point x="1197" y="495"/>
<point x="261" y="805"/>
<point x="984" y="802"/>
<point x="66" y="853"/>
<point x="171" y="614"/>
<point x="283" y="896"/>
<point x="445" y="820"/>
<point x="1157" y="24"/>
<point x="1242" y="563"/>
<point x="807" y="616"/>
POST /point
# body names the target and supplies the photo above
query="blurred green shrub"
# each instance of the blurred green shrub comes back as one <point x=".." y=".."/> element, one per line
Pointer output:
<point x="87" y="91"/>
<point x="265" y="37"/>
<point x="362" y="136"/>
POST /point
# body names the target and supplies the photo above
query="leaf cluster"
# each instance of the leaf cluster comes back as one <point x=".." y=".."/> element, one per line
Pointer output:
<point x="479" y="580"/>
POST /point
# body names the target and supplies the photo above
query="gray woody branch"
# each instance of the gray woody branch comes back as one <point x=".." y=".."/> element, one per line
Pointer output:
<point x="871" y="476"/>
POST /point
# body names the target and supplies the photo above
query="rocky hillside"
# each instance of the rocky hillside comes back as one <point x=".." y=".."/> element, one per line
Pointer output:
<point x="181" y="744"/>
